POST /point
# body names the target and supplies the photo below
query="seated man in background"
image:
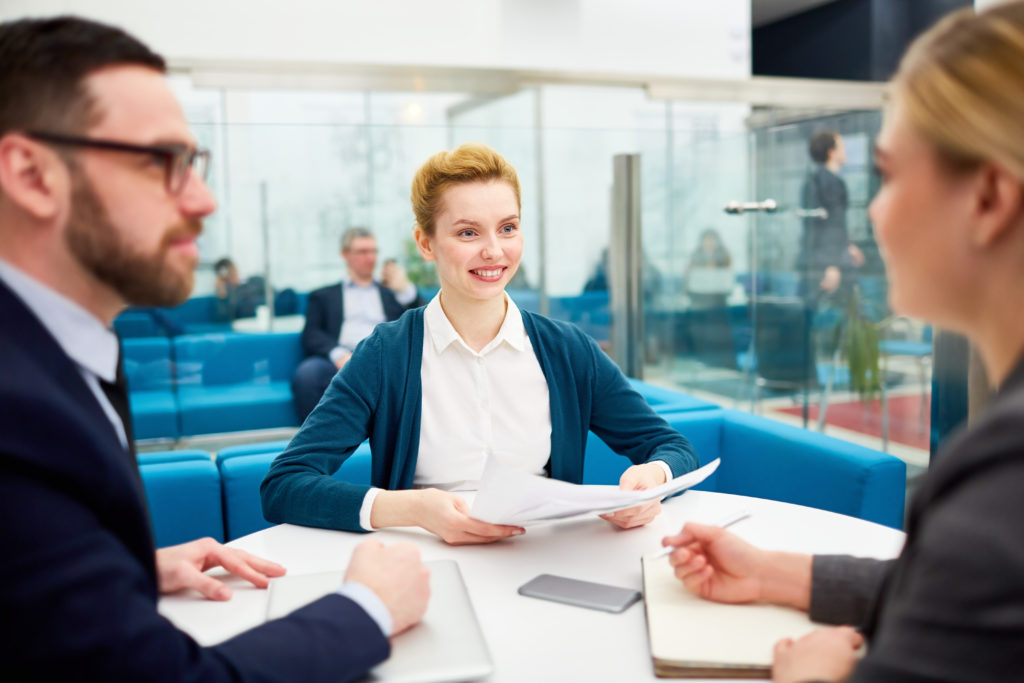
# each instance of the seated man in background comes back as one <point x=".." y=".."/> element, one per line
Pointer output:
<point x="237" y="299"/>
<point x="101" y="201"/>
<point x="342" y="315"/>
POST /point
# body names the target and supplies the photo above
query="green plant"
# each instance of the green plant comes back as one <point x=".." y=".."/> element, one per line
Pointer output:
<point x="419" y="272"/>
<point x="858" y="344"/>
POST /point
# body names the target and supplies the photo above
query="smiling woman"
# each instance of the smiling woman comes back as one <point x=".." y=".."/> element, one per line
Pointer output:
<point x="466" y="378"/>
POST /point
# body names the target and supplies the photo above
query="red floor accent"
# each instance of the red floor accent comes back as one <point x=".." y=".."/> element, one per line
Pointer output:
<point x="905" y="423"/>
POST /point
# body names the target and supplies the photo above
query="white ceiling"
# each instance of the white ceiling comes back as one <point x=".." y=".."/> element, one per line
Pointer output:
<point x="767" y="11"/>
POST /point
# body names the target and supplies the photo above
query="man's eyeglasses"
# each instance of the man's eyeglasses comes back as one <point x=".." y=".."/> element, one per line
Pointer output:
<point x="178" y="159"/>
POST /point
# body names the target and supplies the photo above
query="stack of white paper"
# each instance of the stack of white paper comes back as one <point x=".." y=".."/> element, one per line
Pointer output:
<point x="511" y="496"/>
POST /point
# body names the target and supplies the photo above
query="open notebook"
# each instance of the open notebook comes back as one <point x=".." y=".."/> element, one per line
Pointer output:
<point x="446" y="646"/>
<point x="695" y="638"/>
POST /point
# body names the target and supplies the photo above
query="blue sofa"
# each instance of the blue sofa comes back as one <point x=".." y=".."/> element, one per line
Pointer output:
<point x="149" y="372"/>
<point x="183" y="490"/>
<point x="768" y="459"/>
<point x="234" y="382"/>
<point x="242" y="468"/>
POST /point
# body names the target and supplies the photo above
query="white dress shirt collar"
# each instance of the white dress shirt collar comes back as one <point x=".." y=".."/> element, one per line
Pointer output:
<point x="86" y="340"/>
<point x="443" y="334"/>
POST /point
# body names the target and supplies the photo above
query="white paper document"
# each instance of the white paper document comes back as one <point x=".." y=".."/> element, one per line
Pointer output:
<point x="511" y="496"/>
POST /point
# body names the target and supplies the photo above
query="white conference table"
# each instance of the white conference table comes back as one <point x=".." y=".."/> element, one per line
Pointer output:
<point x="531" y="639"/>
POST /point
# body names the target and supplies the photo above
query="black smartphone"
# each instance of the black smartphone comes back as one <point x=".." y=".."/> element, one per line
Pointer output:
<point x="599" y="596"/>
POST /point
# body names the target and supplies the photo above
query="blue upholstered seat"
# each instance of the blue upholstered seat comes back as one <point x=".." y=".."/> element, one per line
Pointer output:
<point x="184" y="499"/>
<point x="149" y="371"/>
<point x="233" y="382"/>
<point x="768" y="459"/>
<point x="669" y="401"/>
<point x="242" y="472"/>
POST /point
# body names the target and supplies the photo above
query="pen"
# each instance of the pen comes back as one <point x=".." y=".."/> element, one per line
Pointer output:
<point x="727" y="522"/>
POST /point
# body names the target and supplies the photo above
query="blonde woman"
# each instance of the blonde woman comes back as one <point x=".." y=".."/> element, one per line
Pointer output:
<point x="467" y="377"/>
<point x="950" y="221"/>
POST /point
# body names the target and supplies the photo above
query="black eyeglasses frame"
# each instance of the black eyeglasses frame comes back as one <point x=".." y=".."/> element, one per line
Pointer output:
<point x="178" y="159"/>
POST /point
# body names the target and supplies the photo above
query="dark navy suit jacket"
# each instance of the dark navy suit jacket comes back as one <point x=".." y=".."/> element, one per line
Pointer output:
<point x="325" y="314"/>
<point x="78" y="588"/>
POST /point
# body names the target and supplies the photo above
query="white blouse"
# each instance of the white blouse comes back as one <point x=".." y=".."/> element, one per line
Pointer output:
<point x="475" y="404"/>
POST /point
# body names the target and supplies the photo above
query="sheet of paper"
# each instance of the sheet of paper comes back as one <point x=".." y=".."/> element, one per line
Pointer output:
<point x="511" y="496"/>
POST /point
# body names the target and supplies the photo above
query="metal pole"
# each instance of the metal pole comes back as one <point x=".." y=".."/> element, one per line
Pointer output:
<point x="625" y="263"/>
<point x="268" y="289"/>
<point x="542" y="250"/>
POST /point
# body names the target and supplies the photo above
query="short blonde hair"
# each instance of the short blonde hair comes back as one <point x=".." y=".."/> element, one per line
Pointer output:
<point x="468" y="163"/>
<point x="961" y="85"/>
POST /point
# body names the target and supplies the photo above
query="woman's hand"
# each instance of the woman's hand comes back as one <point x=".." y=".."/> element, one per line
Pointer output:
<point x="439" y="512"/>
<point x="637" y="478"/>
<point x="715" y="564"/>
<point x="828" y="654"/>
<point x="447" y="515"/>
<point x="720" y="566"/>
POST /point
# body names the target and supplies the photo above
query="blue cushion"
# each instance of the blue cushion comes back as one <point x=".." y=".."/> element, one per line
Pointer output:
<point x="664" y="400"/>
<point x="901" y="347"/>
<point x="184" y="500"/>
<point x="208" y="410"/>
<point x="241" y="475"/>
<point x="154" y="415"/>
<point x="768" y="459"/>
<point x="702" y="428"/>
<point x="232" y="382"/>
<point x="148" y="370"/>
<point x="154" y="457"/>
<point x="134" y="324"/>
<point x="233" y="358"/>
<point x="251" y="449"/>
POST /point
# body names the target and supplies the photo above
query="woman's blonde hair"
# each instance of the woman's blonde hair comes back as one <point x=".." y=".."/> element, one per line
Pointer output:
<point x="468" y="163"/>
<point x="961" y="85"/>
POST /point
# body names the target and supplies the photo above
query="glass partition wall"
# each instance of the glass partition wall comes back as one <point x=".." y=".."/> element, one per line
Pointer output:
<point x="729" y="312"/>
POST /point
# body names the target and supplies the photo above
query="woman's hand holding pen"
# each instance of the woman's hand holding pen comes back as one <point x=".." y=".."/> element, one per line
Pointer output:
<point x="720" y="566"/>
<point x="715" y="564"/>
<point x="638" y="478"/>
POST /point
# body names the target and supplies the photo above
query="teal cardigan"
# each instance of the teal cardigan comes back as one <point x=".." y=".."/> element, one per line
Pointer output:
<point x="378" y="393"/>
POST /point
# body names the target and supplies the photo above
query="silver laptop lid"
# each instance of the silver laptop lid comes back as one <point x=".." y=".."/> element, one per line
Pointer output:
<point x="447" y="646"/>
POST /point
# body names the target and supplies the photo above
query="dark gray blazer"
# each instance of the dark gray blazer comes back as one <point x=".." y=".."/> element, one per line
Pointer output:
<point x="325" y="312"/>
<point x="951" y="607"/>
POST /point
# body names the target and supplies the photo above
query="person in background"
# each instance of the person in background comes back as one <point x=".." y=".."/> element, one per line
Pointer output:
<point x="468" y="377"/>
<point x="709" y="276"/>
<point x="950" y="222"/>
<point x="101" y="201"/>
<point x="236" y="299"/>
<point x="827" y="258"/>
<point x="340" y="316"/>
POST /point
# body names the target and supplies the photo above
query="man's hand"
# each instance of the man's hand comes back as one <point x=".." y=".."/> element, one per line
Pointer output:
<point x="637" y="478"/>
<point x="393" y="277"/>
<point x="830" y="282"/>
<point x="396" y="575"/>
<point x="828" y="654"/>
<point x="182" y="566"/>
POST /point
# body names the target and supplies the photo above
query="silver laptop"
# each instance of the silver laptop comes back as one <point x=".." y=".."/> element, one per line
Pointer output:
<point x="447" y="646"/>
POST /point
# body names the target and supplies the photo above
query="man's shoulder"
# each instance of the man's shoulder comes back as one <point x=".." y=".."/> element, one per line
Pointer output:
<point x="326" y="291"/>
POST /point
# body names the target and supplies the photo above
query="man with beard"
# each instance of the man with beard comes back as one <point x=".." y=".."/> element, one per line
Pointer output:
<point x="101" y="200"/>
